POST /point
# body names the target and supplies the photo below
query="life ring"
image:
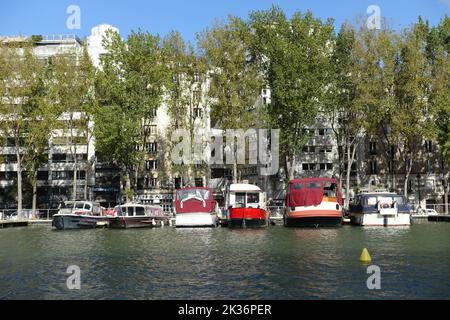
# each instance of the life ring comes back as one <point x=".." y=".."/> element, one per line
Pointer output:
<point x="385" y="206"/>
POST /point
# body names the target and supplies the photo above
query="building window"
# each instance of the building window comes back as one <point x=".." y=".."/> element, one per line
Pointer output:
<point x="151" y="165"/>
<point x="429" y="146"/>
<point x="150" y="129"/>
<point x="373" y="147"/>
<point x="152" y="147"/>
<point x="373" y="167"/>
<point x="196" y="96"/>
<point x="309" y="149"/>
<point x="198" y="112"/>
<point x="325" y="131"/>
<point x="429" y="166"/>
<point x="329" y="166"/>
<point x="309" y="166"/>
<point x="198" y="182"/>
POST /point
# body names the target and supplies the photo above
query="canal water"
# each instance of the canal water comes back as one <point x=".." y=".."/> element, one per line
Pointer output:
<point x="276" y="263"/>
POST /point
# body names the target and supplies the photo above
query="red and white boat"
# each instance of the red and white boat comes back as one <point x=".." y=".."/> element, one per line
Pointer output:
<point x="246" y="205"/>
<point x="195" y="207"/>
<point x="313" y="202"/>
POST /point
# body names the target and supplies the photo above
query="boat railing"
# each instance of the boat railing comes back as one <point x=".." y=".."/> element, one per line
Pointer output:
<point x="28" y="214"/>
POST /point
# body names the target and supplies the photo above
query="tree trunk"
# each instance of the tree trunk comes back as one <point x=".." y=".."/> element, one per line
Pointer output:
<point x="347" y="177"/>
<point x="408" y="172"/>
<point x="86" y="179"/>
<point x="446" y="195"/>
<point x="74" y="189"/>
<point x="127" y="185"/>
<point x="34" y="199"/>
<point x="19" y="187"/>
<point x="290" y="164"/>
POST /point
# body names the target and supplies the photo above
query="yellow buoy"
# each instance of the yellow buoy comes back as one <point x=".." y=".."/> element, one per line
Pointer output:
<point x="365" y="256"/>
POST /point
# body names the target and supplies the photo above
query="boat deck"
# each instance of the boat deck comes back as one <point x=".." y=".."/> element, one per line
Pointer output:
<point x="439" y="218"/>
<point x="13" y="223"/>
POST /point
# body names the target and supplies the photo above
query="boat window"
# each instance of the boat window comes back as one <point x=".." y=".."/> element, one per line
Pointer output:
<point x="314" y="185"/>
<point x="330" y="190"/>
<point x="193" y="193"/>
<point x="67" y="205"/>
<point x="140" y="211"/>
<point x="87" y="206"/>
<point x="130" y="211"/>
<point x="79" y="205"/>
<point x="252" y="197"/>
<point x="384" y="200"/>
<point x="371" y="201"/>
<point x="96" y="209"/>
<point x="399" y="200"/>
<point x="240" y="198"/>
<point x="297" y="186"/>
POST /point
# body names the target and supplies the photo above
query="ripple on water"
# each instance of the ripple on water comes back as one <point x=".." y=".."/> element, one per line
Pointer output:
<point x="277" y="263"/>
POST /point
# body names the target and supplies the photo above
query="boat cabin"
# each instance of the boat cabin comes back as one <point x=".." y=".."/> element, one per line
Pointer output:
<point x="242" y="195"/>
<point x="79" y="207"/>
<point x="136" y="210"/>
<point x="312" y="192"/>
<point x="383" y="202"/>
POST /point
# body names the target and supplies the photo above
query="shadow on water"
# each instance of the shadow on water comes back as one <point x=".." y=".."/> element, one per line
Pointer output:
<point x="222" y="263"/>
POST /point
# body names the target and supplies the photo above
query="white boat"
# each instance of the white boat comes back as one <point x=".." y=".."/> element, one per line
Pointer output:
<point x="135" y="215"/>
<point x="380" y="209"/>
<point x="78" y="215"/>
<point x="195" y="207"/>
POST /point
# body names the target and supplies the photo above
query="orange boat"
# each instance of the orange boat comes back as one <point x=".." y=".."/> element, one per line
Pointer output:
<point x="313" y="202"/>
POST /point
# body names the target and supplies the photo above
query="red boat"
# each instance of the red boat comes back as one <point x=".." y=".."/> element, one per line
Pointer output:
<point x="313" y="202"/>
<point x="195" y="207"/>
<point x="246" y="206"/>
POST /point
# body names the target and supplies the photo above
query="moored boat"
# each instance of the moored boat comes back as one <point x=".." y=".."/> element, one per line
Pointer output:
<point x="313" y="202"/>
<point x="246" y="205"/>
<point x="380" y="209"/>
<point x="195" y="207"/>
<point x="134" y="215"/>
<point x="78" y="215"/>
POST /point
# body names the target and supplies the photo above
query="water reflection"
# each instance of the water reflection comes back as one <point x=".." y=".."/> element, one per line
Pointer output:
<point x="272" y="263"/>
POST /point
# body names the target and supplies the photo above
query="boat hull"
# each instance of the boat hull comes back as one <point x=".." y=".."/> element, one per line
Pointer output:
<point x="314" y="222"/>
<point x="247" y="223"/>
<point x="314" y="217"/>
<point x="136" y="222"/>
<point x="68" y="222"/>
<point x="196" y="219"/>
<point x="247" y="218"/>
<point x="375" y="219"/>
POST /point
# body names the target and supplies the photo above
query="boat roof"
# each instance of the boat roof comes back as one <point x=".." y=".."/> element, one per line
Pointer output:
<point x="243" y="187"/>
<point x="133" y="204"/>
<point x="374" y="193"/>
<point x="194" y="188"/>
<point x="316" y="179"/>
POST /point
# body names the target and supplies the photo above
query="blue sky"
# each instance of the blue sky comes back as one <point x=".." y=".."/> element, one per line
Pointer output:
<point x="27" y="17"/>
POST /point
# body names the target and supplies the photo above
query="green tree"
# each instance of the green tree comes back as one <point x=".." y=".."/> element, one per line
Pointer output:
<point x="235" y="82"/>
<point x="20" y="83"/>
<point x="295" y="55"/>
<point x="185" y="101"/>
<point x="130" y="88"/>
<point x="412" y="119"/>
<point x="438" y="48"/>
